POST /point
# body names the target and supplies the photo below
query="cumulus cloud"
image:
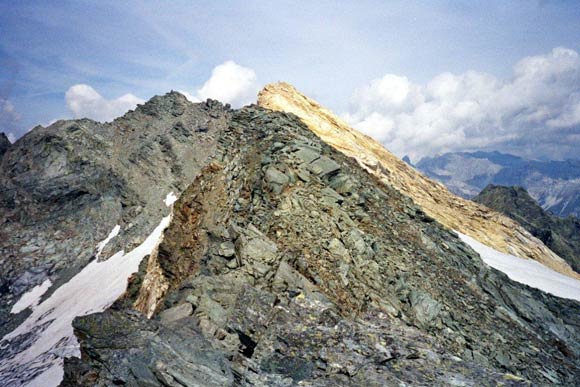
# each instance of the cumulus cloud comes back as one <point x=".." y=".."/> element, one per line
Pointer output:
<point x="534" y="113"/>
<point x="85" y="102"/>
<point x="230" y="83"/>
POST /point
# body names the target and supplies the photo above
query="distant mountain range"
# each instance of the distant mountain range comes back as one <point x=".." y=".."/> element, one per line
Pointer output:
<point x="555" y="185"/>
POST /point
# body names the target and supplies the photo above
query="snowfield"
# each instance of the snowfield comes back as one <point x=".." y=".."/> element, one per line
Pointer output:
<point x="38" y="346"/>
<point x="526" y="271"/>
<point x="31" y="298"/>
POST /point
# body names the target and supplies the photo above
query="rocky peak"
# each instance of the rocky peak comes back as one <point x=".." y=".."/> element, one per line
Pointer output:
<point x="510" y="199"/>
<point x="173" y="103"/>
<point x="488" y="227"/>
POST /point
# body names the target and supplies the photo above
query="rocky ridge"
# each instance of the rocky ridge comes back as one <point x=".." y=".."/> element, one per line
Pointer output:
<point x="286" y="264"/>
<point x="562" y="235"/>
<point x="488" y="227"/>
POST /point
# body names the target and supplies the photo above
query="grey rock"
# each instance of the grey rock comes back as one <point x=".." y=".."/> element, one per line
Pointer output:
<point x="342" y="184"/>
<point x="307" y="154"/>
<point x="426" y="308"/>
<point x="276" y="179"/>
<point x="176" y="354"/>
<point x="330" y="196"/>
<point x="227" y="249"/>
<point x="323" y="166"/>
<point x="176" y="313"/>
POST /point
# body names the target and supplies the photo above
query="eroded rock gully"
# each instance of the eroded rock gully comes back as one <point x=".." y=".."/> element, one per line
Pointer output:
<point x="286" y="263"/>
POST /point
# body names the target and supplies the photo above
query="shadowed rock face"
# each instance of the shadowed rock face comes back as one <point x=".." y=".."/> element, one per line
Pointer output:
<point x="286" y="263"/>
<point x="4" y="144"/>
<point x="562" y="235"/>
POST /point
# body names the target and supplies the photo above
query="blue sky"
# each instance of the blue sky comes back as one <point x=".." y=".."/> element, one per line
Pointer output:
<point x="337" y="52"/>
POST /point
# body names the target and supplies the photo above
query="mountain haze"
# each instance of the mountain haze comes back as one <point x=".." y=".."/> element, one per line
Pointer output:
<point x="555" y="185"/>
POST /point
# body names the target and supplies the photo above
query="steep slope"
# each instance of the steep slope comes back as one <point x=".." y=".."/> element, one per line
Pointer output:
<point x="63" y="189"/>
<point x="476" y="221"/>
<point x="555" y="185"/>
<point x="560" y="235"/>
<point x="286" y="263"/>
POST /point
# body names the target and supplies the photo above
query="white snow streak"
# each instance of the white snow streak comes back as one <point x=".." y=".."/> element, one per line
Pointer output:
<point x="527" y="271"/>
<point x="92" y="290"/>
<point x="31" y="298"/>
<point x="170" y="199"/>
<point x="101" y="245"/>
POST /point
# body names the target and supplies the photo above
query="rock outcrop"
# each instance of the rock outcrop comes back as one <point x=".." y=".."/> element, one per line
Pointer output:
<point x="65" y="187"/>
<point x="562" y="235"/>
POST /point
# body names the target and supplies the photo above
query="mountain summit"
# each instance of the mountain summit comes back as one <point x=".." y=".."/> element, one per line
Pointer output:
<point x="191" y="244"/>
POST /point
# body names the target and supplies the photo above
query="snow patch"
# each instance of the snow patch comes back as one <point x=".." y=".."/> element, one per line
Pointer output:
<point x="33" y="353"/>
<point x="527" y="271"/>
<point x="101" y="245"/>
<point x="170" y="199"/>
<point x="31" y="298"/>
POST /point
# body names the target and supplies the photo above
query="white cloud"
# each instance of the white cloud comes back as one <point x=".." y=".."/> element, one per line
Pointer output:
<point x="534" y="113"/>
<point x="85" y="102"/>
<point x="230" y="83"/>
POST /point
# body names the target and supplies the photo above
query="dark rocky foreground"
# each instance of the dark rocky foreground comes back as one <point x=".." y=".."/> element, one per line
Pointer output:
<point x="561" y="235"/>
<point x="286" y="263"/>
